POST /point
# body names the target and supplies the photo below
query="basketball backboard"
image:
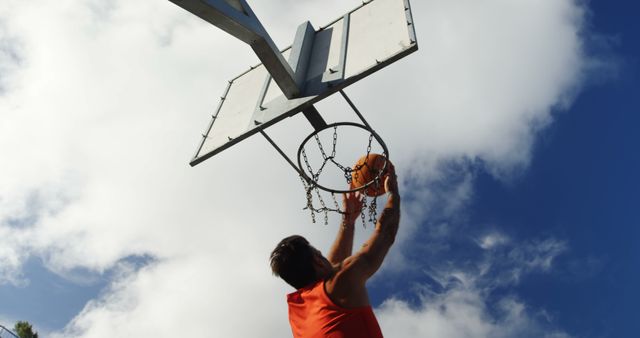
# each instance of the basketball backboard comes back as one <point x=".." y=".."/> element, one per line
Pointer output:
<point x="322" y="61"/>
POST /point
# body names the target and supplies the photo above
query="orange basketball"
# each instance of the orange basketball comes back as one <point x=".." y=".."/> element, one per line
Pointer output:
<point x="366" y="170"/>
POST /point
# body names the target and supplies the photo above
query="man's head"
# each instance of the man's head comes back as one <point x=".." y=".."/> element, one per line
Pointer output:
<point x="298" y="263"/>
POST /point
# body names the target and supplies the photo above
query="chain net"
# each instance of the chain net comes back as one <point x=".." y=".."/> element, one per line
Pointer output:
<point x="317" y="203"/>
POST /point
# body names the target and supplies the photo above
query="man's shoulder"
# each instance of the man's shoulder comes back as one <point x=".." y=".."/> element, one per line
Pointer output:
<point x="345" y="288"/>
<point x="351" y="270"/>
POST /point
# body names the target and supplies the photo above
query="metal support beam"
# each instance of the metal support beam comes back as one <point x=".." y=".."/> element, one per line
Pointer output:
<point x="236" y="18"/>
<point x="281" y="153"/>
<point x="314" y="117"/>
<point x="237" y="4"/>
<point x="301" y="52"/>
<point x="355" y="109"/>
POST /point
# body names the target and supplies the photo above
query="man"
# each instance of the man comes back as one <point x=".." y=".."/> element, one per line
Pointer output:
<point x="331" y="300"/>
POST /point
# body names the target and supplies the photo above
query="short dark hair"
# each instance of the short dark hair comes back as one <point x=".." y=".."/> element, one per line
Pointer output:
<point x="292" y="260"/>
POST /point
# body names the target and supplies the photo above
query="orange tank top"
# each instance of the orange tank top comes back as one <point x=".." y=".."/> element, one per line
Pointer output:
<point x="313" y="315"/>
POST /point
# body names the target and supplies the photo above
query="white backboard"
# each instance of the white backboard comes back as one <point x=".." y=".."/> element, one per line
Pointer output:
<point x="365" y="40"/>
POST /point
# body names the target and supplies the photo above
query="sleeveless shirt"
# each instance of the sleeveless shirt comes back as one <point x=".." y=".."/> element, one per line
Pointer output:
<point x="313" y="315"/>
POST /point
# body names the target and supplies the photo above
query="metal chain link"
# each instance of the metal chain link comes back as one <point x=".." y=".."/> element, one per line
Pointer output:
<point x="324" y="155"/>
<point x="306" y="161"/>
<point x="317" y="175"/>
<point x="364" y="206"/>
<point x="323" y="208"/>
<point x="369" y="145"/>
<point x="335" y="202"/>
<point x="335" y="141"/>
<point x="373" y="217"/>
<point x="307" y="189"/>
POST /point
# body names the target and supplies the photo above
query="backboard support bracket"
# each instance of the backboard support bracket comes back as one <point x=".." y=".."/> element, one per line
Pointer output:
<point x="237" y="18"/>
<point x="314" y="117"/>
<point x="301" y="52"/>
<point x="281" y="152"/>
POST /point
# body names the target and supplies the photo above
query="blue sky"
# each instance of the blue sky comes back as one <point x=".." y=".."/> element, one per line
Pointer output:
<point x="538" y="240"/>
<point x="582" y="186"/>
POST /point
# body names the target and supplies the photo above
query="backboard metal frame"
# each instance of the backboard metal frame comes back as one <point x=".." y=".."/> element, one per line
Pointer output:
<point x="273" y="109"/>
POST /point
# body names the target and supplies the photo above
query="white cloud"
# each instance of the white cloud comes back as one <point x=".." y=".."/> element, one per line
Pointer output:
<point x="101" y="115"/>
<point x="463" y="301"/>
<point x="12" y="256"/>
<point x="462" y="312"/>
<point x="506" y="265"/>
<point x="177" y="298"/>
<point x="492" y="240"/>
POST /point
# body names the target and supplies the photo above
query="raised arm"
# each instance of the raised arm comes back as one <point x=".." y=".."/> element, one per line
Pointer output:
<point x="362" y="265"/>
<point x="343" y="244"/>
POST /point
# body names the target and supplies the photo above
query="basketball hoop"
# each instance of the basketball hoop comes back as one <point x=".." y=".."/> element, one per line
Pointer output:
<point x="312" y="178"/>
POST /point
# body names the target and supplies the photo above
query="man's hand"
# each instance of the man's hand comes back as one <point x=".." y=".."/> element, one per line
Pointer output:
<point x="343" y="245"/>
<point x="391" y="181"/>
<point x="351" y="207"/>
<point x="390" y="218"/>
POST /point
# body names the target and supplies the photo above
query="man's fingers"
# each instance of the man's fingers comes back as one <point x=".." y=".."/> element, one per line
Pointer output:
<point x="352" y="201"/>
<point x="391" y="183"/>
<point x="391" y="169"/>
<point x="390" y="178"/>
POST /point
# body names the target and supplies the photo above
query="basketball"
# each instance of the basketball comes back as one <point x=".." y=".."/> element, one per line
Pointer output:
<point x="366" y="170"/>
